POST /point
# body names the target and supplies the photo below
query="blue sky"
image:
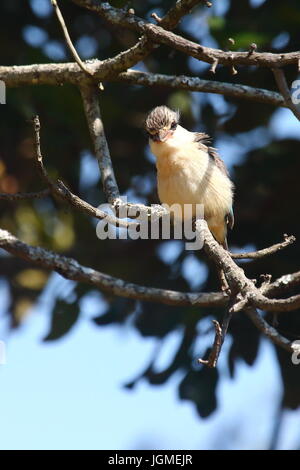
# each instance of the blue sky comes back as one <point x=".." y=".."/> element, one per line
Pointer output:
<point x="69" y="394"/>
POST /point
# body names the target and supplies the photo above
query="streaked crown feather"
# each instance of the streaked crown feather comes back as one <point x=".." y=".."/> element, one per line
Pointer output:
<point x="160" y="117"/>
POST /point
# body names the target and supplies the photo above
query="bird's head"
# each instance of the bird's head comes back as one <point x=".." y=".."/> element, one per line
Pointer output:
<point x="161" y="123"/>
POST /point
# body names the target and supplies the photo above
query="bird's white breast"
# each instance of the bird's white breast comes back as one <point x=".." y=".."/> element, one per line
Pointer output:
<point x="188" y="175"/>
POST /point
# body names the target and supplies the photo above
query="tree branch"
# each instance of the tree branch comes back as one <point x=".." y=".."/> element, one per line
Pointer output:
<point x="71" y="269"/>
<point x="275" y="305"/>
<point x="282" y="284"/>
<point x="57" y="74"/>
<point x="92" y="111"/>
<point x="144" y="46"/>
<point x="159" y="35"/>
<point x="246" y="295"/>
<point x="22" y="196"/>
<point x="243" y="288"/>
<point x="197" y="84"/>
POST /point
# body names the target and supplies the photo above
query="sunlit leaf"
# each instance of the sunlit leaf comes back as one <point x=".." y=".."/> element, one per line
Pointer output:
<point x="32" y="278"/>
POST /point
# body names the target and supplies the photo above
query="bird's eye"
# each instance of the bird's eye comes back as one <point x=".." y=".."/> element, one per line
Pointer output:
<point x="173" y="125"/>
<point x="151" y="135"/>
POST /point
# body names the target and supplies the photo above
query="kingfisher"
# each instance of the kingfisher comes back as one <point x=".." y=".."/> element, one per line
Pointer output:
<point x="189" y="171"/>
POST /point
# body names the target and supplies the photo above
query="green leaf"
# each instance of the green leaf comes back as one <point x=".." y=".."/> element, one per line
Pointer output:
<point x="216" y="22"/>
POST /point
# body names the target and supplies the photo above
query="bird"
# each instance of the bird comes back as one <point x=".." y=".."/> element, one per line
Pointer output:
<point x="190" y="171"/>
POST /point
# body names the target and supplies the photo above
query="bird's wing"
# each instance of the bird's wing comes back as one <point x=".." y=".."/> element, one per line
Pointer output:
<point x="203" y="139"/>
<point x="213" y="153"/>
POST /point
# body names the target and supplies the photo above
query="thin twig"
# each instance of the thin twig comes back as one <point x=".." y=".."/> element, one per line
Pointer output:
<point x="288" y="240"/>
<point x="239" y="303"/>
<point x="266" y="281"/>
<point x="252" y="48"/>
<point x="83" y="206"/>
<point x="269" y="330"/>
<point x="220" y="334"/>
<point x="156" y="17"/>
<point x="23" y="196"/>
<point x="102" y="152"/>
<point x="214" y="66"/>
<point x="68" y="39"/>
<point x="233" y="70"/>
<point x="216" y="348"/>
<point x="60" y="190"/>
<point x="284" y="90"/>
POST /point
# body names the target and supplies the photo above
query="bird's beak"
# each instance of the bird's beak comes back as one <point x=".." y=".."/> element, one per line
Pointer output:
<point x="164" y="134"/>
